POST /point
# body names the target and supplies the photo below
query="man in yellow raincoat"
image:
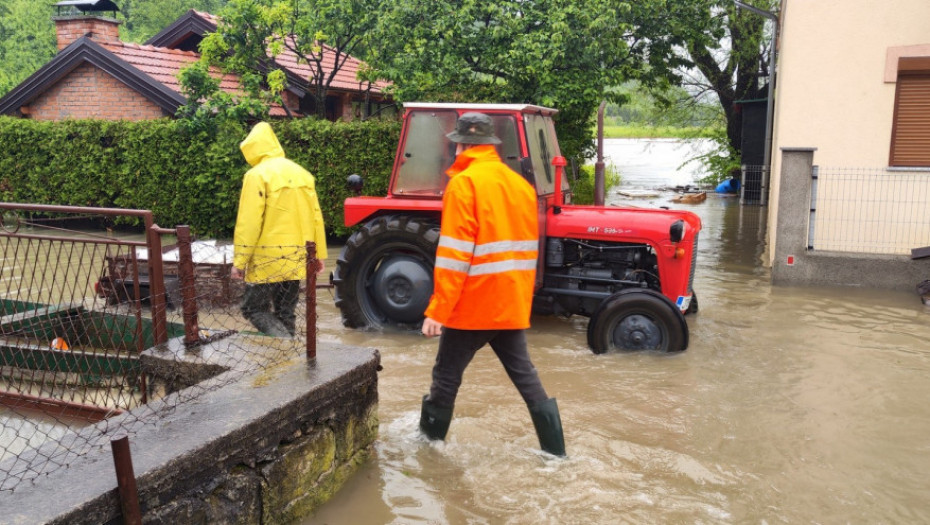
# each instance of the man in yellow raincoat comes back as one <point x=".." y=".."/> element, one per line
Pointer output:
<point x="278" y="214"/>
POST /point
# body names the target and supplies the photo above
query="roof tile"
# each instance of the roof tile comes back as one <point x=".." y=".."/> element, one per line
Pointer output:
<point x="164" y="64"/>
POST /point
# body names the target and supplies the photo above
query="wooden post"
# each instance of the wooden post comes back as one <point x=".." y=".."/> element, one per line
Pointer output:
<point x="188" y="290"/>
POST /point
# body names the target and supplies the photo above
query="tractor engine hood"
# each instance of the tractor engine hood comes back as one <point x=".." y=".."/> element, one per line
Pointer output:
<point x="628" y="225"/>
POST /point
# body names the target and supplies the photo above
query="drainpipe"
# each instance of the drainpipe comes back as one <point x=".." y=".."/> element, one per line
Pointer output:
<point x="770" y="106"/>
<point x="599" y="165"/>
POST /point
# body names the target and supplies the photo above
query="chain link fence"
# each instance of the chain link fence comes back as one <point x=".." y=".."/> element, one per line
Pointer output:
<point x="95" y="325"/>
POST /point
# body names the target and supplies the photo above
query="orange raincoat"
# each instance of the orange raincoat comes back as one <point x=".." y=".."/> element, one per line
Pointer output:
<point x="486" y="261"/>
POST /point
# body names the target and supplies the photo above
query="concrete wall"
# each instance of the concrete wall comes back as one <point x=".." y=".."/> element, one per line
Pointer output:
<point x="269" y="447"/>
<point x="836" y="78"/>
<point x="794" y="264"/>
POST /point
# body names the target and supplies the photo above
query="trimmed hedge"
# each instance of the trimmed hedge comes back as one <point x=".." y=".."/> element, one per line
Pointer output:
<point x="184" y="177"/>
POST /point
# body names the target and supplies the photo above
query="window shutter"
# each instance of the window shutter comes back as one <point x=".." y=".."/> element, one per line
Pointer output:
<point x="910" y="133"/>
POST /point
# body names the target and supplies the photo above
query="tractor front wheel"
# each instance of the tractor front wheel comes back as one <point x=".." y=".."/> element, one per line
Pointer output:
<point x="384" y="275"/>
<point x="637" y="320"/>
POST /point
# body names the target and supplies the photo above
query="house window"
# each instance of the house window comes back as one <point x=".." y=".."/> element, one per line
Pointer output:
<point x="910" y="132"/>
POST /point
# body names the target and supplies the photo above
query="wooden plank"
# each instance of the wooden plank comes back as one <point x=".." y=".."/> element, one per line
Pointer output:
<point x="57" y="407"/>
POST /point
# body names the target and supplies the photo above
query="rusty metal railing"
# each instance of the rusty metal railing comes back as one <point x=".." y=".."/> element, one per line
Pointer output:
<point x="82" y="308"/>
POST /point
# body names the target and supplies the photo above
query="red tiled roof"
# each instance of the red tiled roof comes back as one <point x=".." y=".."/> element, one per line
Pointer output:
<point x="345" y="78"/>
<point x="163" y="65"/>
<point x="209" y="17"/>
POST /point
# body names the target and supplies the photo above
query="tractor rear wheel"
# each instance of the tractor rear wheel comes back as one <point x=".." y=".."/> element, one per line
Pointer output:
<point x="384" y="275"/>
<point x="637" y="320"/>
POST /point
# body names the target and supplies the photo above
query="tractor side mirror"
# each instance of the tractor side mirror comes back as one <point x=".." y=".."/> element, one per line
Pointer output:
<point x="355" y="183"/>
<point x="676" y="232"/>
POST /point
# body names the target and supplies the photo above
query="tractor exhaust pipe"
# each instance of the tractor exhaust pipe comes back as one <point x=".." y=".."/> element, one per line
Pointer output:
<point x="599" y="165"/>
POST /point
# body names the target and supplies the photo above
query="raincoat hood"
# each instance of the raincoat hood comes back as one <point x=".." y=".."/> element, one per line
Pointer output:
<point x="261" y="144"/>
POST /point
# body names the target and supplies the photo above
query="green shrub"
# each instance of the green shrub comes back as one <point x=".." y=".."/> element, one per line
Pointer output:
<point x="583" y="186"/>
<point x="182" y="176"/>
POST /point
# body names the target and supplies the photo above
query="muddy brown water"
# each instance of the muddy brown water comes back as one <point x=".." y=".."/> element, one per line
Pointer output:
<point x="791" y="405"/>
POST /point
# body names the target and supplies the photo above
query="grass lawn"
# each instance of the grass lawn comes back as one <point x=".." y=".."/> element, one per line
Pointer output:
<point x="633" y="131"/>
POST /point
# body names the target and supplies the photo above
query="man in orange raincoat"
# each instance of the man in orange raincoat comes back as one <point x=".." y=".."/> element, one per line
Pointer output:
<point x="278" y="214"/>
<point x="484" y="278"/>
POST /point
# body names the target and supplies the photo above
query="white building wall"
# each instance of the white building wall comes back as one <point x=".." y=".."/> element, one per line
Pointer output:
<point x="835" y="88"/>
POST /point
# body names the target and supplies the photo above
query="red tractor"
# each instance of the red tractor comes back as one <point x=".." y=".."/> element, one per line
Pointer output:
<point x="630" y="270"/>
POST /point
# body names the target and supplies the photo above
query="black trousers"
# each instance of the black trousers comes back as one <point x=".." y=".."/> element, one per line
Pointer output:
<point x="270" y="307"/>
<point x="458" y="347"/>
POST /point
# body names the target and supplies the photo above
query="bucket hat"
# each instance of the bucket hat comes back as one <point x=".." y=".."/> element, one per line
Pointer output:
<point x="474" y="128"/>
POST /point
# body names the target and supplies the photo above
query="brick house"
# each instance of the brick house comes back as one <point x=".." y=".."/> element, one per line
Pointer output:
<point x="96" y="75"/>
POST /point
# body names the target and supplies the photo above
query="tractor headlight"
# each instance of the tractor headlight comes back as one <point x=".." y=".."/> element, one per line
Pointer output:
<point x="676" y="231"/>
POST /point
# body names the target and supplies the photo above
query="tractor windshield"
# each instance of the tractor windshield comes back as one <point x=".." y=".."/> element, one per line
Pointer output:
<point x="427" y="153"/>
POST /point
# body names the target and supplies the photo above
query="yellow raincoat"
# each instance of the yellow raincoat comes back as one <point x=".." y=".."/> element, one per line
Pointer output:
<point x="278" y="213"/>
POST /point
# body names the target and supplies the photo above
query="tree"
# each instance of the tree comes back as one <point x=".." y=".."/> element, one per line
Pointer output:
<point x="565" y="54"/>
<point x="27" y="40"/>
<point x="319" y="33"/>
<point x="146" y="18"/>
<point x="726" y="52"/>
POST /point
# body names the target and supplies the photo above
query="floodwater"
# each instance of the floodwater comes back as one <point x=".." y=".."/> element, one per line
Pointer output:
<point x="791" y="405"/>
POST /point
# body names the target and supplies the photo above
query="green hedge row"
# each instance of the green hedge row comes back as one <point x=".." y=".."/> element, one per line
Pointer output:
<point x="183" y="177"/>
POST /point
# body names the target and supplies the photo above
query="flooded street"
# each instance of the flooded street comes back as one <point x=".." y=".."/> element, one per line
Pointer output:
<point x="791" y="405"/>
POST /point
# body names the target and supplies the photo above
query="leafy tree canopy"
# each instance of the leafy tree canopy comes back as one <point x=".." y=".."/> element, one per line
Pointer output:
<point x="27" y="39"/>
<point x="319" y="33"/>
<point x="144" y="19"/>
<point x="564" y="54"/>
<point x="726" y="52"/>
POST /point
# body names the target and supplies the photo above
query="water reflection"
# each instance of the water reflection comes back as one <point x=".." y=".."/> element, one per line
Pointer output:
<point x="792" y="405"/>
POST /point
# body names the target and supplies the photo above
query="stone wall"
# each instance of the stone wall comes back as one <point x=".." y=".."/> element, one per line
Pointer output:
<point x="269" y="447"/>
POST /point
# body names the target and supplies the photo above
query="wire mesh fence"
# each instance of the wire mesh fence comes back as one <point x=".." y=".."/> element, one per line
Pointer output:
<point x="754" y="184"/>
<point x="102" y="333"/>
<point x="869" y="210"/>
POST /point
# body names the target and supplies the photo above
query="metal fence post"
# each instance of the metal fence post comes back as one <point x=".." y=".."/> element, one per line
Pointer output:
<point x="188" y="290"/>
<point x="815" y="172"/>
<point x="311" y="300"/>
<point x="126" y="481"/>
<point x="156" y="282"/>
<point x="742" y="185"/>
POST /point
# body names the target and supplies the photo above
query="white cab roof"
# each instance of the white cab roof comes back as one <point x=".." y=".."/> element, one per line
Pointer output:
<point x="524" y="108"/>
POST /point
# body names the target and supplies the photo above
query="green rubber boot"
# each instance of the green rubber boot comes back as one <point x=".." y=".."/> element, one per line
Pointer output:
<point x="548" y="425"/>
<point x="434" y="420"/>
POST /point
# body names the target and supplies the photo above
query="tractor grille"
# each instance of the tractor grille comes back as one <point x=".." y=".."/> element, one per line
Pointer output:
<point x="694" y="250"/>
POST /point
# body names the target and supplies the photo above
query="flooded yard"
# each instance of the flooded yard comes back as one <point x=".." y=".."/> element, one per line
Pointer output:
<point x="791" y="405"/>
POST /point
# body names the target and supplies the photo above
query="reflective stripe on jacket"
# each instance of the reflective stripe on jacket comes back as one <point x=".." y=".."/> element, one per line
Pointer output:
<point x="486" y="260"/>
<point x="278" y="213"/>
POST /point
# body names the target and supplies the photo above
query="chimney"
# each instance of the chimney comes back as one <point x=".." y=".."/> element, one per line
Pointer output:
<point x="84" y="17"/>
